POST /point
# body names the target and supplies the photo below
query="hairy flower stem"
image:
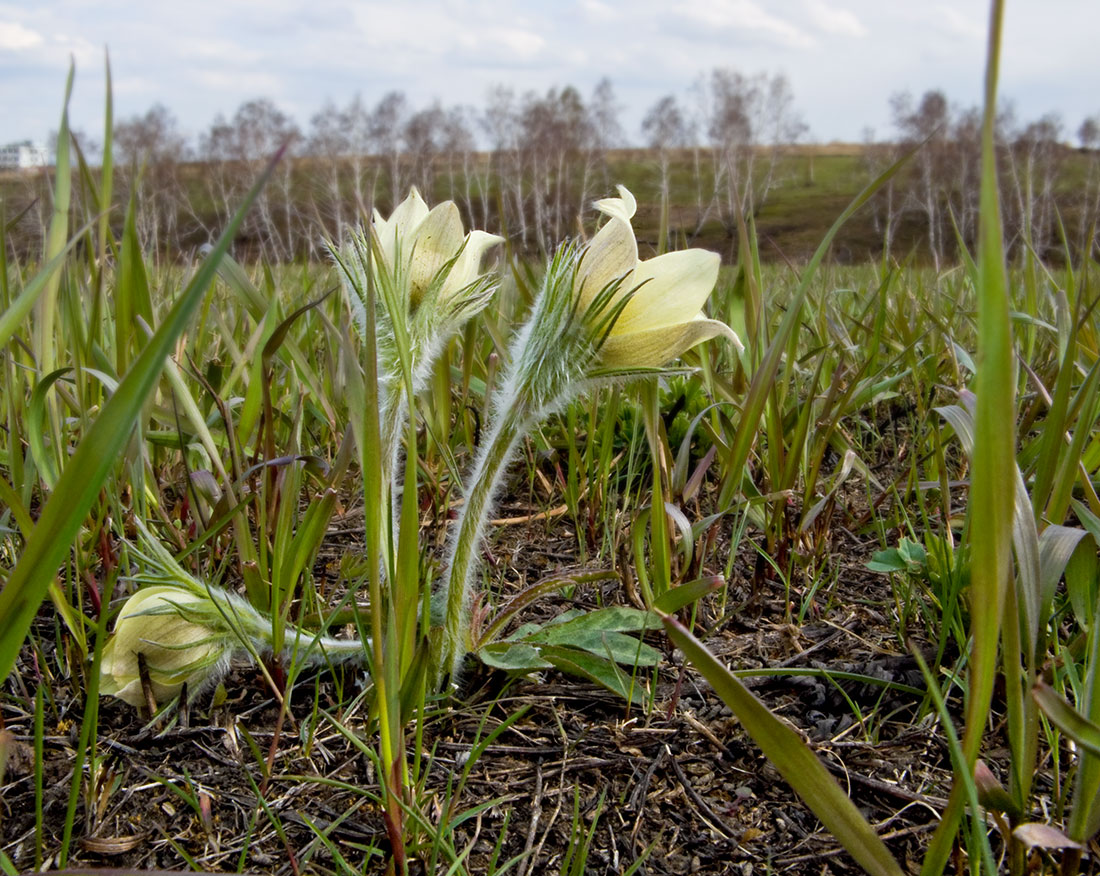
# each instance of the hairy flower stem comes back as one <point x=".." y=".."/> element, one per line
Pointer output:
<point x="253" y="630"/>
<point x="394" y="409"/>
<point x="492" y="460"/>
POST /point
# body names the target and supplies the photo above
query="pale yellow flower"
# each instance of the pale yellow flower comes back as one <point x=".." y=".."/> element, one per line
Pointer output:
<point x="663" y="316"/>
<point x="416" y="244"/>
<point x="154" y="622"/>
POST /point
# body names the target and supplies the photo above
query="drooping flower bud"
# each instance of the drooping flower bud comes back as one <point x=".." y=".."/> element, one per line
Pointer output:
<point x="182" y="637"/>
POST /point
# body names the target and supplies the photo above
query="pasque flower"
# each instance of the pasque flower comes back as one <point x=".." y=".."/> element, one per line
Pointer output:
<point x="602" y="314"/>
<point x="427" y="277"/>
<point x="427" y="281"/>
<point x="188" y="633"/>
<point x="425" y="246"/>
<point x="662" y="298"/>
<point x="181" y="636"/>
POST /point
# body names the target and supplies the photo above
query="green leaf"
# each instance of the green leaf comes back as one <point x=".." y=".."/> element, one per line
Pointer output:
<point x="1081" y="582"/>
<point x="512" y="657"/>
<point x="617" y="619"/>
<point x="1057" y="545"/>
<point x="1066" y="718"/>
<point x="908" y="556"/>
<point x="599" y="670"/>
<point x="685" y="594"/>
<point x="619" y="647"/>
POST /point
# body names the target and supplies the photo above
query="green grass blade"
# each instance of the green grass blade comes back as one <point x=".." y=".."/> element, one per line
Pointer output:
<point x="131" y="297"/>
<point x="763" y="380"/>
<point x="1067" y="719"/>
<point x="13" y="317"/>
<point x="45" y="346"/>
<point x="992" y="491"/>
<point x="107" y="166"/>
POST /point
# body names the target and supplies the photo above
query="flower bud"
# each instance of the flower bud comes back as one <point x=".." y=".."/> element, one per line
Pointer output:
<point x="181" y="634"/>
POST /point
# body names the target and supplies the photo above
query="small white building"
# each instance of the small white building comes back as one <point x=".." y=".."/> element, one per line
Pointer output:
<point x="24" y="154"/>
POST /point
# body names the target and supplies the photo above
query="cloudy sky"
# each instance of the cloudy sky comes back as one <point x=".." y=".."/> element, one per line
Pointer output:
<point x="844" y="58"/>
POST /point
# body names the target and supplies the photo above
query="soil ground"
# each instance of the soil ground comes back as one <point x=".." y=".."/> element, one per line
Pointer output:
<point x="673" y="779"/>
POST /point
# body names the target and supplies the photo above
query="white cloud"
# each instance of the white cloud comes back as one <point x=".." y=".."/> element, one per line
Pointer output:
<point x="597" y="10"/>
<point x="842" y="22"/>
<point x="83" y="51"/>
<point x="951" y="21"/>
<point x="737" y="15"/>
<point x="514" y="43"/>
<point x="14" y="36"/>
<point x="300" y="52"/>
<point x="225" y="51"/>
<point x="246" y="84"/>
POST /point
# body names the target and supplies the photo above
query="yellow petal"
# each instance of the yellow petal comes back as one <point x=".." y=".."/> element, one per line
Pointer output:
<point x="654" y="347"/>
<point x="612" y="254"/>
<point x="434" y="243"/>
<point x="409" y="213"/>
<point x="669" y="289"/>
<point x="468" y="266"/>
<point x="127" y="687"/>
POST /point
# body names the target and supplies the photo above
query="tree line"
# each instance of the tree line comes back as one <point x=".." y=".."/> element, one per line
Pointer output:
<point x="528" y="165"/>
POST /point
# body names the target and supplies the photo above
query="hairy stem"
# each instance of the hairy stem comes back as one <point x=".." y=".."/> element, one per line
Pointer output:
<point x="483" y="482"/>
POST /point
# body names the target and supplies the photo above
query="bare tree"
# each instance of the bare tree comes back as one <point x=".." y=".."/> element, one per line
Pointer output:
<point x="749" y="120"/>
<point x="328" y="146"/>
<point x="357" y="129"/>
<point x="233" y="150"/>
<point x="555" y="138"/>
<point x="605" y="133"/>
<point x="665" y="131"/>
<point x="964" y="158"/>
<point x="387" y="120"/>
<point x="1041" y="156"/>
<point x="926" y="124"/>
<point x="153" y="137"/>
<point x="459" y="148"/>
<point x="886" y="216"/>
<point x="149" y="149"/>
<point x="1089" y="137"/>
<point x="422" y="136"/>
<point x="501" y="124"/>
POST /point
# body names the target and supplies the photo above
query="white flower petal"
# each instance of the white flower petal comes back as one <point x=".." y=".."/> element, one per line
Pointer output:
<point x="409" y="213"/>
<point x="653" y="347"/>
<point x="622" y="207"/>
<point x="434" y="243"/>
<point x="669" y="289"/>
<point x="468" y="266"/>
<point x="402" y="223"/>
<point x="612" y="254"/>
<point x="157" y="636"/>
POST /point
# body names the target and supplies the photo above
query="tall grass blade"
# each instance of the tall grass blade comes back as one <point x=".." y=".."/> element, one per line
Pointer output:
<point x="992" y="490"/>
